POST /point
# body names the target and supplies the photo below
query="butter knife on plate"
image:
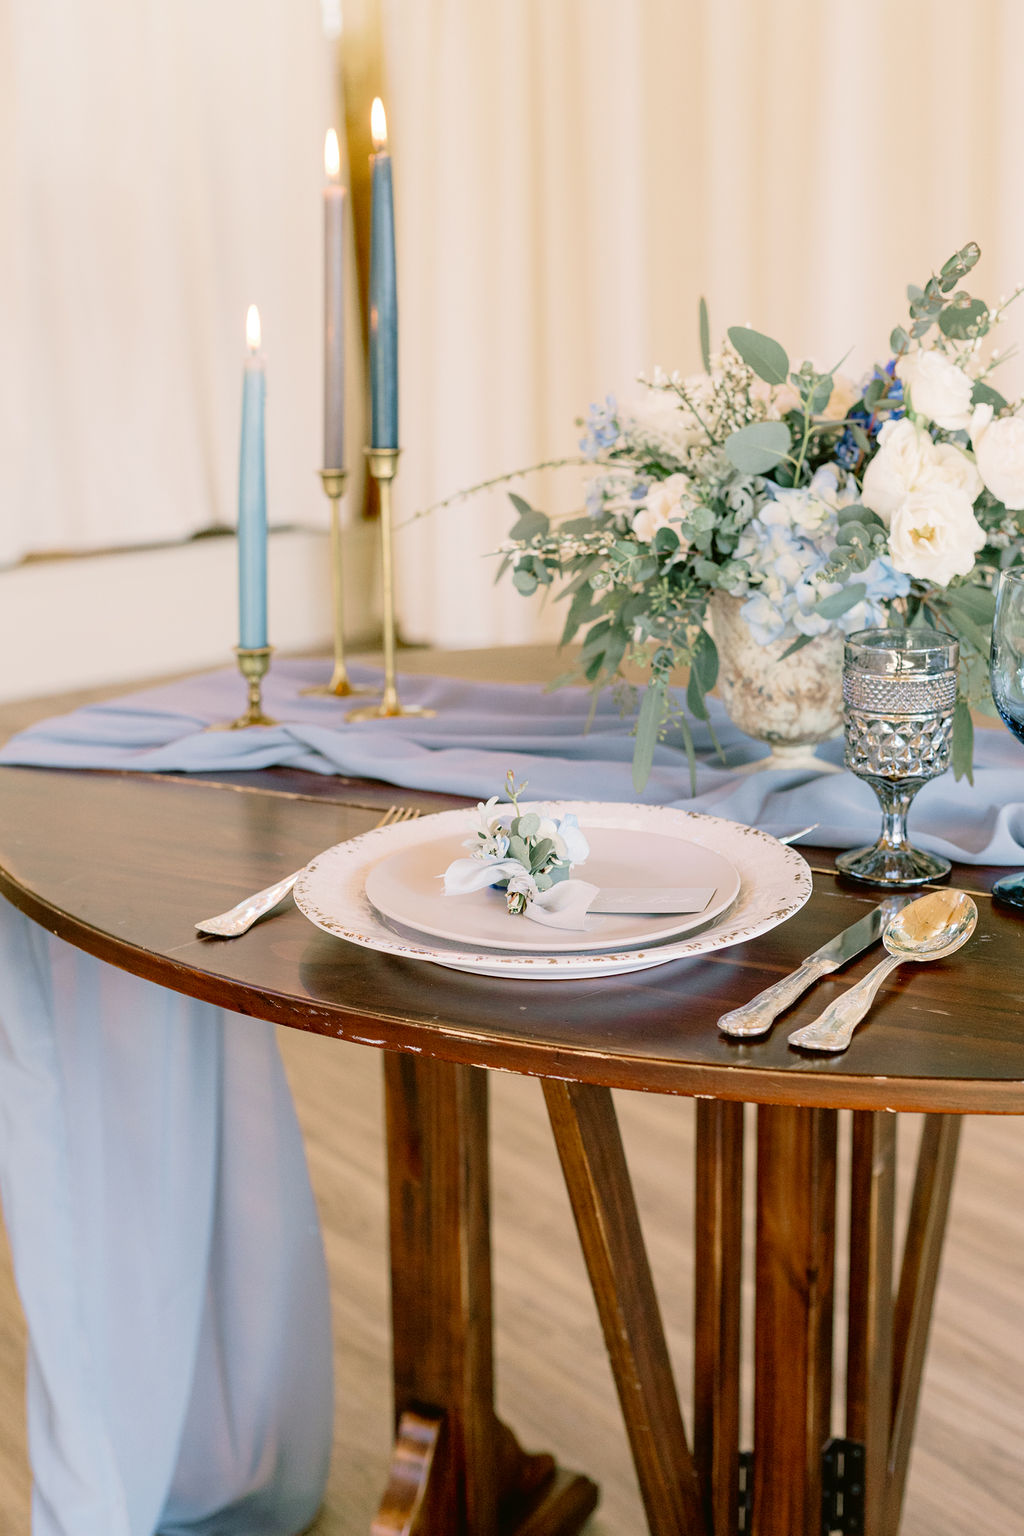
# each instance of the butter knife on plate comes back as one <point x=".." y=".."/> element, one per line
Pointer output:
<point x="758" y="1016"/>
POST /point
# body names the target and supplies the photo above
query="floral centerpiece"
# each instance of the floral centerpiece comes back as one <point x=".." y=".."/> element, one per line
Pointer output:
<point x="817" y="502"/>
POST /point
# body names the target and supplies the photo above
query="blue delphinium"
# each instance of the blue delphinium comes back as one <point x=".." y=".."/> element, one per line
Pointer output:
<point x="603" y="430"/>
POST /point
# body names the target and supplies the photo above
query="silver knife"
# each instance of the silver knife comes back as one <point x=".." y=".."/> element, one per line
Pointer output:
<point x="758" y="1016"/>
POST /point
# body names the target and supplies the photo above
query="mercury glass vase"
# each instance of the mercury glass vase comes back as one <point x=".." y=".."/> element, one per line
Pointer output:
<point x="899" y="694"/>
<point x="790" y="702"/>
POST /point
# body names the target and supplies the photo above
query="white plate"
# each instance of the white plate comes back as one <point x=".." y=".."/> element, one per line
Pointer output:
<point x="774" y="883"/>
<point x="407" y="888"/>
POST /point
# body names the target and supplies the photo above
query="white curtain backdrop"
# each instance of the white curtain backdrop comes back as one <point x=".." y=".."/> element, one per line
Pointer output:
<point x="160" y="169"/>
<point x="571" y="175"/>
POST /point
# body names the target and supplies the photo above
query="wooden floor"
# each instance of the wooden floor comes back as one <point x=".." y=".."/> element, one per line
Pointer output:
<point x="554" y="1387"/>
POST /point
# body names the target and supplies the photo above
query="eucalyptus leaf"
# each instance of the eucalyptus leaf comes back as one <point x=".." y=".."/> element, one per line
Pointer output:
<point x="962" y="316"/>
<point x="524" y="580"/>
<point x="518" y="850"/>
<point x="984" y="394"/>
<point x="899" y="341"/>
<point x="528" y="825"/>
<point x="963" y="742"/>
<point x="765" y="356"/>
<point x="840" y="602"/>
<point x="648" y="724"/>
<point x="530" y="523"/>
<point x="822" y="393"/>
<point x="860" y="437"/>
<point x="665" y="541"/>
<point x="979" y="603"/>
<point x="756" y="448"/>
<point x="705" y="335"/>
<point x="798" y="645"/>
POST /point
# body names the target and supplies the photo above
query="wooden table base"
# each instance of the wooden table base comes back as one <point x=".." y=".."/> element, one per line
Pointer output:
<point x="457" y="1470"/>
<point x="793" y="1345"/>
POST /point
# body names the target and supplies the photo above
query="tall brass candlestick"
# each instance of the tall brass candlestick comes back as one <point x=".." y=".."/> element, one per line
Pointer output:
<point x="340" y="684"/>
<point x="252" y="663"/>
<point x="383" y="464"/>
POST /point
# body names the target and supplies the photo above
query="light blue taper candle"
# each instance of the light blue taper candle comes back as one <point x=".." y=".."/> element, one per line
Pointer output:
<point x="252" y="497"/>
<point x="383" y="292"/>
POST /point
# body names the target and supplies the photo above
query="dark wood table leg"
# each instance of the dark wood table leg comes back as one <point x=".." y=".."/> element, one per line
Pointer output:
<point x="718" y="1260"/>
<point x="587" y="1135"/>
<point x="919" y="1275"/>
<point x="869" y="1343"/>
<point x="796" y="1179"/>
<point x="457" y="1470"/>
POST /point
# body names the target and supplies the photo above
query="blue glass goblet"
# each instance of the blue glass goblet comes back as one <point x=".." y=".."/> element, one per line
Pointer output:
<point x="1006" y="673"/>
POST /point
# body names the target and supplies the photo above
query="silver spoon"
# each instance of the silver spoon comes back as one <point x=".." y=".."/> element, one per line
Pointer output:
<point x="929" y="928"/>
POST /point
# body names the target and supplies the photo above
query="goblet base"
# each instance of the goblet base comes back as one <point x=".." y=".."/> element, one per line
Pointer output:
<point x="1010" y="891"/>
<point x="893" y="865"/>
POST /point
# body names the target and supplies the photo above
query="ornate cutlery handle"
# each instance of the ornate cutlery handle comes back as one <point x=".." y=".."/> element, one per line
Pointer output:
<point x="833" y="1031"/>
<point x="758" y="1016"/>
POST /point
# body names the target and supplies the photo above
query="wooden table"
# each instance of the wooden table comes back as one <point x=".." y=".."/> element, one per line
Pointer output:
<point x="122" y="865"/>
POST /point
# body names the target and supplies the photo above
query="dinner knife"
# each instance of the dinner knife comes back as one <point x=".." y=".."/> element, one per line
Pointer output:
<point x="758" y="1016"/>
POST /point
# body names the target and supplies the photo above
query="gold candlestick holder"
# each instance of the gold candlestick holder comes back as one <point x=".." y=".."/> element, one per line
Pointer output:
<point x="340" y="684"/>
<point x="253" y="664"/>
<point x="383" y="464"/>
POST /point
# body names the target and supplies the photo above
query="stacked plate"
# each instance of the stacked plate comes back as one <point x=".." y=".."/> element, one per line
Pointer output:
<point x="383" y="891"/>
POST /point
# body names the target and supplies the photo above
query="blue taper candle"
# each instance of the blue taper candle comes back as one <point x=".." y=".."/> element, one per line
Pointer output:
<point x="252" y="497"/>
<point x="383" y="292"/>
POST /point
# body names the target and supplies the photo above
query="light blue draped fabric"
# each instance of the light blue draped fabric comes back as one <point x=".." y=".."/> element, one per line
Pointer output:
<point x="481" y="730"/>
<point x="167" y="1252"/>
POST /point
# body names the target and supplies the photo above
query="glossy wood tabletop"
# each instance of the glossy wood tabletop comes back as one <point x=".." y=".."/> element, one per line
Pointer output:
<point x="123" y="865"/>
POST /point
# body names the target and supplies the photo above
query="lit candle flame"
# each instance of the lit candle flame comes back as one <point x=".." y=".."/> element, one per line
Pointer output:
<point x="378" y="125"/>
<point x="332" y="156"/>
<point x="252" y="328"/>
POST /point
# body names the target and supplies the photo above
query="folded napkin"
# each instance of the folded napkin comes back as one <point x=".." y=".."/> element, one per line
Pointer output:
<point x="481" y="730"/>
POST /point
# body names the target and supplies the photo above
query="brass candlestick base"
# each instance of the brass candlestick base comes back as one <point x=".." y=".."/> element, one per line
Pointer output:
<point x="253" y="666"/>
<point x="340" y="684"/>
<point x="383" y="464"/>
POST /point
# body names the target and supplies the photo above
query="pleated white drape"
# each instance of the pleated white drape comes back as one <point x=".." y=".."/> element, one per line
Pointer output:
<point x="160" y="169"/>
<point x="571" y="175"/>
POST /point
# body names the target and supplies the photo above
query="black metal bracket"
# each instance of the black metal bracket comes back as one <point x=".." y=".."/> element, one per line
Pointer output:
<point x="745" y="1508"/>
<point x="842" y="1488"/>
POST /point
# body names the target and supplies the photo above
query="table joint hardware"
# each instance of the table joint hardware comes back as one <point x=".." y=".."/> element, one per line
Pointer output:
<point x="842" y="1487"/>
<point x="745" y="1485"/>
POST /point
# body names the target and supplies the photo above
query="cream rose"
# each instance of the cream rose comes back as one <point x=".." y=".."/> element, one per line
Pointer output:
<point x="939" y="389"/>
<point x="949" y="465"/>
<point x="999" y="449"/>
<point x="844" y="395"/>
<point x="935" y="535"/>
<point x="661" y="505"/>
<point x="903" y="451"/>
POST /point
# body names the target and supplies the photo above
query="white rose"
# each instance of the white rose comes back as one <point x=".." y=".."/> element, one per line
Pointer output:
<point x="903" y="451"/>
<point x="662" y="503"/>
<point x="949" y="465"/>
<point x="935" y="535"/>
<point x="939" y="389"/>
<point x="999" y="449"/>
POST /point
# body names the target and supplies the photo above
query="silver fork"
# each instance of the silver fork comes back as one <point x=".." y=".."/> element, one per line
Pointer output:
<point x="232" y="924"/>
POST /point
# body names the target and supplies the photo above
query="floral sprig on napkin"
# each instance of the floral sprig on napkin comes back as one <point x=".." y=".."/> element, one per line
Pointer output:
<point x="522" y="852"/>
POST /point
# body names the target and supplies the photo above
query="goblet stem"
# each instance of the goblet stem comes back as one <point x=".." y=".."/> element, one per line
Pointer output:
<point x="895" y="797"/>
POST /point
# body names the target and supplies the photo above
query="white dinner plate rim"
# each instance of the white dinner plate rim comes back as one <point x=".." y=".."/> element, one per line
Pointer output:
<point x="785" y="884"/>
<point x="532" y="938"/>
